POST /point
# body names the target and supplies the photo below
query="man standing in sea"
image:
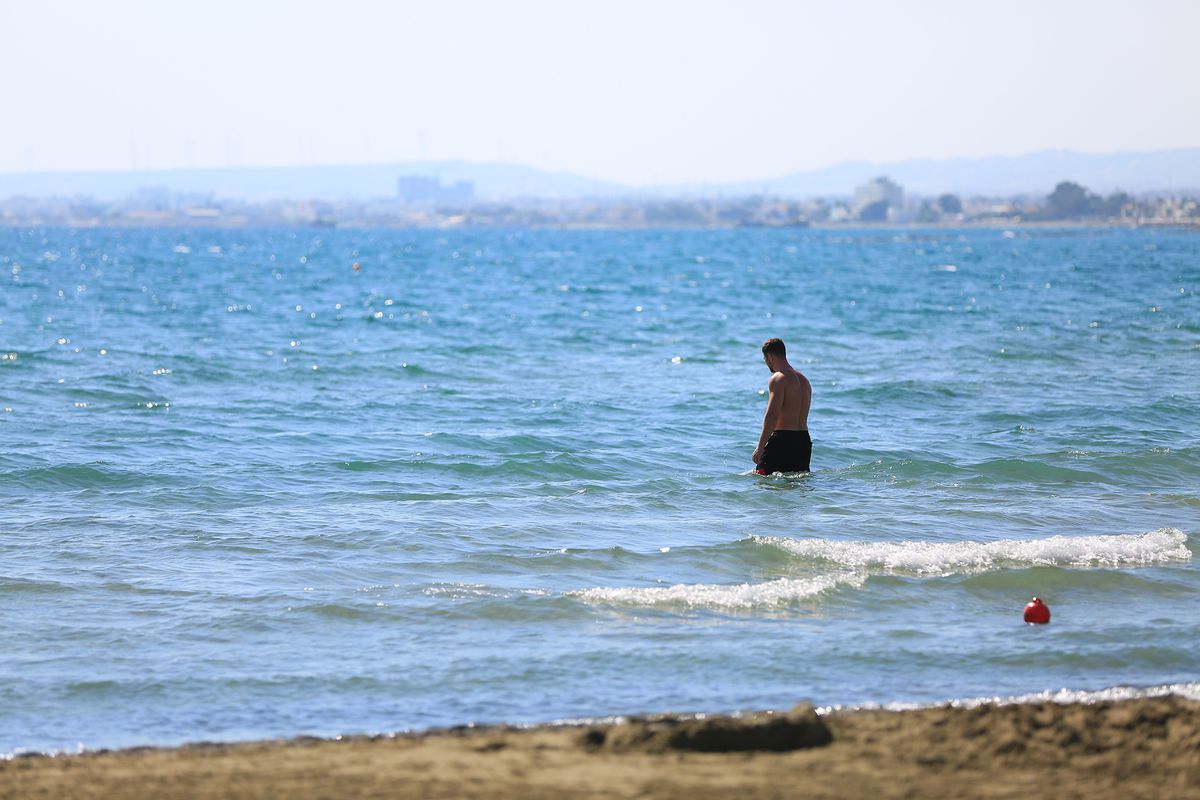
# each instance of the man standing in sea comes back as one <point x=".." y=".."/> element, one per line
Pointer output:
<point x="784" y="445"/>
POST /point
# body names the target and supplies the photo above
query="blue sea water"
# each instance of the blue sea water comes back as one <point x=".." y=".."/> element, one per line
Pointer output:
<point x="247" y="490"/>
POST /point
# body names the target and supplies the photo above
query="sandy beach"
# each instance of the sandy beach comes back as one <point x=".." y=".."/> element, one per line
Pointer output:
<point x="1127" y="749"/>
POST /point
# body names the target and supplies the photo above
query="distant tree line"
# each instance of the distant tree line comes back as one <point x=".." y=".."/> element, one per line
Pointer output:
<point x="945" y="205"/>
<point x="1069" y="200"/>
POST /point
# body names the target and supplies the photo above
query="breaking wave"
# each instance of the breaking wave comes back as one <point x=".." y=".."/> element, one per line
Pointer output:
<point x="855" y="562"/>
<point x="956" y="558"/>
<point x="778" y="592"/>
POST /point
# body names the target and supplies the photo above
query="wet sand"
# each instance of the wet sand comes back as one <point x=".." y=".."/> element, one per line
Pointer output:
<point x="1129" y="749"/>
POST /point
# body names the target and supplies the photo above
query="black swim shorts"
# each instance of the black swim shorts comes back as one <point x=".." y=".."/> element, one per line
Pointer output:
<point x="786" y="451"/>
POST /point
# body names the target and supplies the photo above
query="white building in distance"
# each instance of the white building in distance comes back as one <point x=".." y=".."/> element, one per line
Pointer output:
<point x="880" y="189"/>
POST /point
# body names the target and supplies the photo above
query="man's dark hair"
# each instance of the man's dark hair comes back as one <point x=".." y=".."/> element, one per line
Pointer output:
<point x="774" y="347"/>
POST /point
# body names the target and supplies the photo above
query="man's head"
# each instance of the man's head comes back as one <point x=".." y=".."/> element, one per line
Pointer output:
<point x="774" y="353"/>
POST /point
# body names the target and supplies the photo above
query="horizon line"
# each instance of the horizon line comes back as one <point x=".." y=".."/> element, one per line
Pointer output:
<point x="552" y="171"/>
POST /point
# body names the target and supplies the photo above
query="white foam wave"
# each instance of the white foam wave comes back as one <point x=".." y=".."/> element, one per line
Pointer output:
<point x="778" y="592"/>
<point x="951" y="558"/>
<point x="1188" y="691"/>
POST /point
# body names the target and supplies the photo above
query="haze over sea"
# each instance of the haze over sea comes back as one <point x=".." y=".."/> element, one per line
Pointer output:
<point x="249" y="491"/>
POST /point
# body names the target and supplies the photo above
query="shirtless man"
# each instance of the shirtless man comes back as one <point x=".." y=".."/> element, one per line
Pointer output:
<point x="784" y="445"/>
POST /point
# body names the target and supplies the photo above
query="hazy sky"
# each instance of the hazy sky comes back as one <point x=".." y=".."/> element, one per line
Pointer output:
<point x="639" y="92"/>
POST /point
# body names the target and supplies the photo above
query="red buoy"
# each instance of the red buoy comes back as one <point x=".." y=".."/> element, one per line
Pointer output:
<point x="1037" y="612"/>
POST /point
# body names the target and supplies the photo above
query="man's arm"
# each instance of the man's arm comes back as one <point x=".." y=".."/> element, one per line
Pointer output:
<point x="774" y="404"/>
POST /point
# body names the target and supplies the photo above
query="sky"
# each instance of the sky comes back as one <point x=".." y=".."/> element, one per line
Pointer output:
<point x="640" y="92"/>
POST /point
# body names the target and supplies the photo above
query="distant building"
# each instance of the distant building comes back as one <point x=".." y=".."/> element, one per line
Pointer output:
<point x="418" y="190"/>
<point x="151" y="198"/>
<point x="879" y="194"/>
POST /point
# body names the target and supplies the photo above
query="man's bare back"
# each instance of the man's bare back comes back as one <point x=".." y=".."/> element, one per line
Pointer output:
<point x="784" y="444"/>
<point x="795" y="398"/>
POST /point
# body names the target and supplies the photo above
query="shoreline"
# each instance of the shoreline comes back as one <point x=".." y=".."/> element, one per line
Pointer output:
<point x="1145" y="746"/>
<point x="1189" y="691"/>
<point x="238" y="224"/>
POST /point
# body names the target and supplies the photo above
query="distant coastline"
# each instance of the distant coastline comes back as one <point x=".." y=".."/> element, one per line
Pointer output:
<point x="266" y="221"/>
<point x="1175" y="171"/>
<point x="1063" y="187"/>
<point x="167" y="211"/>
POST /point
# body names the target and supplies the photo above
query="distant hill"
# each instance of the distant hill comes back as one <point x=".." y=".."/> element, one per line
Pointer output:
<point x="334" y="182"/>
<point x="1035" y="173"/>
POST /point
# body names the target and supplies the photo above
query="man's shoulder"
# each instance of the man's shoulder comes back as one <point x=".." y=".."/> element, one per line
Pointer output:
<point x="793" y="377"/>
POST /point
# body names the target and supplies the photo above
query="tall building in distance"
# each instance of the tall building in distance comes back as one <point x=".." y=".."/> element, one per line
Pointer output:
<point x="419" y="190"/>
<point x="874" y="199"/>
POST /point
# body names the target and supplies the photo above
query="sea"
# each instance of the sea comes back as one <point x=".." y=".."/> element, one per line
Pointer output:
<point x="270" y="483"/>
